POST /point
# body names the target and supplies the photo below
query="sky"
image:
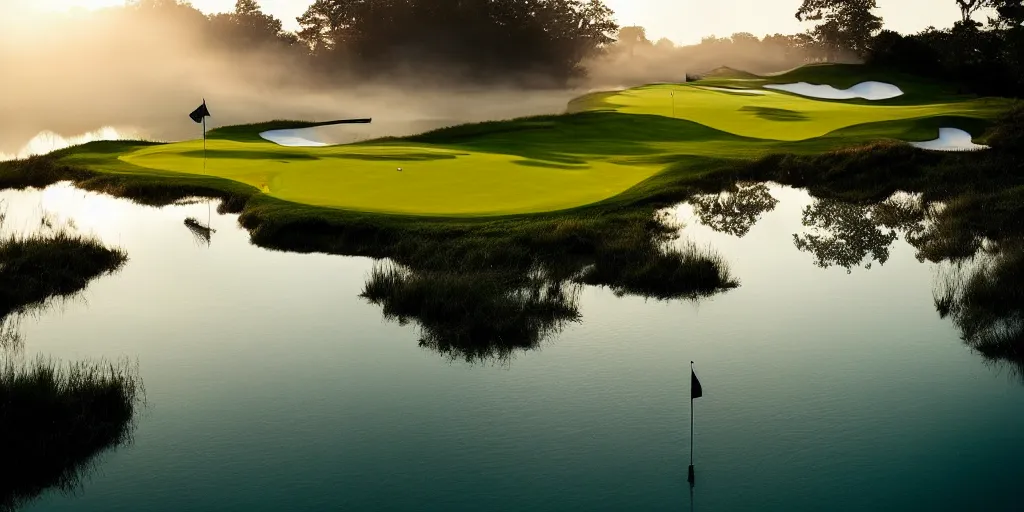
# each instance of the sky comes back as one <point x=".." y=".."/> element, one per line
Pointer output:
<point x="682" y="21"/>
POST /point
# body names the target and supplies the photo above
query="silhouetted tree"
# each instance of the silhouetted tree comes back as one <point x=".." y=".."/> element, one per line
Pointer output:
<point x="846" y="25"/>
<point x="485" y="39"/>
<point x="632" y="37"/>
<point x="969" y="7"/>
<point x="1011" y="13"/>
<point x="248" y="26"/>
<point x="664" y="44"/>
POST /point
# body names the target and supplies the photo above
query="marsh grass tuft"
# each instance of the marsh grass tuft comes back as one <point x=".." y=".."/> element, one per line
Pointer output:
<point x="55" y="418"/>
<point x="53" y="262"/>
<point x="667" y="271"/>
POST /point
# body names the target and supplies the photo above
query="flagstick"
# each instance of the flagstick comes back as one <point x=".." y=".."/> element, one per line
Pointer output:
<point x="690" y="478"/>
<point x="209" y="208"/>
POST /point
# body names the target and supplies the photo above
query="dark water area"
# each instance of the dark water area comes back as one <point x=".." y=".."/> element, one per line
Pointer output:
<point x="835" y="377"/>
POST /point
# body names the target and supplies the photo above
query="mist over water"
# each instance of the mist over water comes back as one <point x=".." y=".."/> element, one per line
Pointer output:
<point x="94" y="75"/>
<point x="110" y="71"/>
<point x="48" y="141"/>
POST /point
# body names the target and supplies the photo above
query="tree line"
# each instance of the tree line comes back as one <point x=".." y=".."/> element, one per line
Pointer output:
<point x="482" y="40"/>
<point x="473" y="39"/>
<point x="986" y="58"/>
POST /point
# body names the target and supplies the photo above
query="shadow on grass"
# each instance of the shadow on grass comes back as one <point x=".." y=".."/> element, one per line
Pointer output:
<point x="248" y="155"/>
<point x="575" y="138"/>
<point x="396" y="157"/>
<point x="775" y="114"/>
<point x="549" y="165"/>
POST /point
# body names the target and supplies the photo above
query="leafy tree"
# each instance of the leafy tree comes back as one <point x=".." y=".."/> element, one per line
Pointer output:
<point x="969" y="7"/>
<point x="632" y="37"/>
<point x="665" y="44"/>
<point x="249" y="17"/>
<point x="248" y="26"/>
<point x="493" y="38"/>
<point x="1011" y="13"/>
<point x="846" y="25"/>
<point x="327" y="24"/>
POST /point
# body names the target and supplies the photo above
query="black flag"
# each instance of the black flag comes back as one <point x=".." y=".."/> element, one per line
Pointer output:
<point x="198" y="114"/>
<point x="696" y="391"/>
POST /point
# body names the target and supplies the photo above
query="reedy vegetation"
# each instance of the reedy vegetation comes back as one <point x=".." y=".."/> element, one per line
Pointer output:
<point x="52" y="262"/>
<point x="56" y="418"/>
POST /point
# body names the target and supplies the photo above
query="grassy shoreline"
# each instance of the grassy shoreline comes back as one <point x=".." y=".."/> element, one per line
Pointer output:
<point x="54" y="262"/>
<point x="618" y="240"/>
<point x="56" y="418"/>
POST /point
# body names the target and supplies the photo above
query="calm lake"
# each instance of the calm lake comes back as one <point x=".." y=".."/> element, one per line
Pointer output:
<point x="271" y="385"/>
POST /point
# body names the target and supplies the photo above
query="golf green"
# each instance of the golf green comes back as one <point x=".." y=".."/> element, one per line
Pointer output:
<point x="609" y="143"/>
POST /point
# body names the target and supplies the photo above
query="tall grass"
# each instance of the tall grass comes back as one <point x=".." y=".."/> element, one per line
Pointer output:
<point x="683" y="271"/>
<point x="55" y="261"/>
<point x="56" y="418"/>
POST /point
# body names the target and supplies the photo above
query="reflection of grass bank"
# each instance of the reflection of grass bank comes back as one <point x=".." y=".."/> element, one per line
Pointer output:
<point x="573" y="238"/>
<point x="54" y="419"/>
<point x="52" y="262"/>
<point x="474" y="315"/>
<point x="478" y="313"/>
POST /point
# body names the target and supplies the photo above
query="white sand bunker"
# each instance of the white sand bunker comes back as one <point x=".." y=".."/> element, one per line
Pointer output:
<point x="950" y="139"/>
<point x="737" y="91"/>
<point x="873" y="91"/>
<point x="300" y="137"/>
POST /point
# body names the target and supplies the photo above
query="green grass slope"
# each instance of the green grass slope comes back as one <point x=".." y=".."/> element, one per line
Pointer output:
<point x="606" y="145"/>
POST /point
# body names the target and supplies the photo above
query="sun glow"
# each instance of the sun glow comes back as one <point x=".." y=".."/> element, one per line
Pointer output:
<point x="67" y="5"/>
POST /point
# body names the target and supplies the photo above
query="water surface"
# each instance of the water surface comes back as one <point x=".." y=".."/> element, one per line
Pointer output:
<point x="272" y="385"/>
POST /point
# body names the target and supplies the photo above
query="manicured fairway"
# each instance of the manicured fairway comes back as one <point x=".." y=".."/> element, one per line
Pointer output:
<point x="609" y="143"/>
<point x="773" y="115"/>
<point x="432" y="180"/>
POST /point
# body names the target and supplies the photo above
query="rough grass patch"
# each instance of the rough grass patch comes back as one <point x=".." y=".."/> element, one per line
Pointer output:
<point x="56" y="418"/>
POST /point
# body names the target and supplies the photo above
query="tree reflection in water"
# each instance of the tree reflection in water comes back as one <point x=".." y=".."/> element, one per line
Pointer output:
<point x="849" y="235"/>
<point x="985" y="301"/>
<point x="479" y="310"/>
<point x="475" y="316"/>
<point x="736" y="210"/>
<point x="982" y="292"/>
